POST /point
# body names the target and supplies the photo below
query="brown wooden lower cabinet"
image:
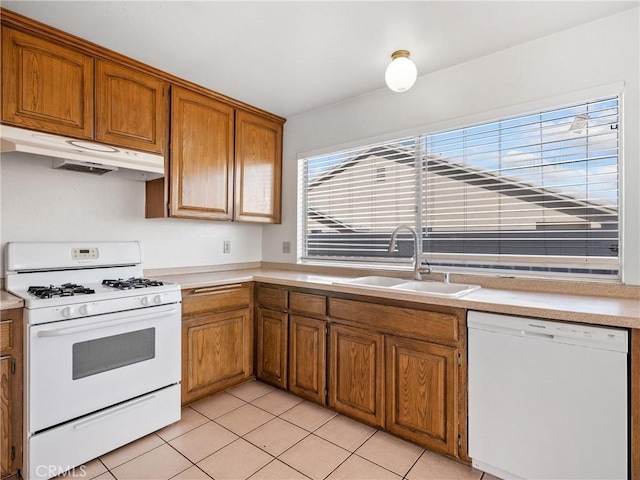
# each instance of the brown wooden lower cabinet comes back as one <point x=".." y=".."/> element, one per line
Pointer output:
<point x="6" y="392"/>
<point x="271" y="335"/>
<point x="217" y="352"/>
<point x="388" y="365"/>
<point x="10" y="392"/>
<point x="421" y="392"/>
<point x="307" y="358"/>
<point x="356" y="376"/>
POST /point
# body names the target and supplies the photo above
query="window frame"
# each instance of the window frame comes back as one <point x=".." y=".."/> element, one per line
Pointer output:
<point x="523" y="265"/>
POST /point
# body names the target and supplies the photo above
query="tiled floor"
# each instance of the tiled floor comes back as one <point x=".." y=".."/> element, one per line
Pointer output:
<point x="253" y="431"/>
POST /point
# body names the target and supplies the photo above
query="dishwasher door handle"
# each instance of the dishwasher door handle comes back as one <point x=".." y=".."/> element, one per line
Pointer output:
<point x="546" y="336"/>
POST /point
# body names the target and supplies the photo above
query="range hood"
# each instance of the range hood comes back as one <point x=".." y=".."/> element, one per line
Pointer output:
<point x="82" y="155"/>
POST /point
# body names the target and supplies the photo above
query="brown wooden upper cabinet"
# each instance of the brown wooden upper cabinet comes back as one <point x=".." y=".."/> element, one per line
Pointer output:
<point x="201" y="156"/>
<point x="225" y="163"/>
<point x="131" y="108"/>
<point x="258" y="169"/>
<point x="54" y="88"/>
<point x="46" y="86"/>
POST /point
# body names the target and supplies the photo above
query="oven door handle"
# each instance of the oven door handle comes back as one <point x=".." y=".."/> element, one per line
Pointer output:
<point x="106" y="324"/>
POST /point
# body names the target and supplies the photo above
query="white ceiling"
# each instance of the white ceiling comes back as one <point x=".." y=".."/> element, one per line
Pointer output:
<point x="294" y="56"/>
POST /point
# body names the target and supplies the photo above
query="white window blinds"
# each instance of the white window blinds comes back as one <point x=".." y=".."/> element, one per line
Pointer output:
<point x="537" y="192"/>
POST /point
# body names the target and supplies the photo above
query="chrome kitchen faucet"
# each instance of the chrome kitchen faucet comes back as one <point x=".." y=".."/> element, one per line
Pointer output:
<point x="417" y="270"/>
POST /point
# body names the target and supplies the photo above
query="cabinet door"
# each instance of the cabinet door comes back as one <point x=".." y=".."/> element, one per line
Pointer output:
<point x="10" y="391"/>
<point x="272" y="347"/>
<point x="46" y="86"/>
<point x="6" y="432"/>
<point x="201" y="156"/>
<point x="421" y="388"/>
<point x="216" y="353"/>
<point x="356" y="373"/>
<point x="307" y="357"/>
<point x="131" y="108"/>
<point x="258" y="169"/>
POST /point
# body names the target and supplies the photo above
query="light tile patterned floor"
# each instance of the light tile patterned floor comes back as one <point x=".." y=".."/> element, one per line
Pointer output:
<point x="253" y="431"/>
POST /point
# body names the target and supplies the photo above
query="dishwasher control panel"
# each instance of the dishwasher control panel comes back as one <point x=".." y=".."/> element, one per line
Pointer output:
<point x="603" y="337"/>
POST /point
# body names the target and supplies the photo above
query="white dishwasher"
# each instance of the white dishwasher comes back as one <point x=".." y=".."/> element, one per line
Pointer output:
<point x="547" y="400"/>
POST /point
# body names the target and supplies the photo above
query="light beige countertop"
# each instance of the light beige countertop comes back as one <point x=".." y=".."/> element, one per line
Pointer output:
<point x="601" y="310"/>
<point x="8" y="301"/>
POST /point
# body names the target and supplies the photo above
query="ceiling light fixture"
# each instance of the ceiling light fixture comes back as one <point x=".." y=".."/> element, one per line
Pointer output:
<point x="401" y="73"/>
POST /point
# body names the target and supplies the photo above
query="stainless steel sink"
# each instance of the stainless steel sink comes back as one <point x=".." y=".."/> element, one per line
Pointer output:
<point x="436" y="289"/>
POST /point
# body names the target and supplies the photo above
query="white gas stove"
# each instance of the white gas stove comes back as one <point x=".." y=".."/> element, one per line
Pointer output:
<point x="102" y="350"/>
<point x="62" y="281"/>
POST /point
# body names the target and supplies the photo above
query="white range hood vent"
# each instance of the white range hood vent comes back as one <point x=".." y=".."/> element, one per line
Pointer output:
<point x="83" y="156"/>
<point x="78" y="166"/>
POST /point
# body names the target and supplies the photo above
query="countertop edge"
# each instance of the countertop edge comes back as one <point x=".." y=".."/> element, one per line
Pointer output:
<point x="608" y="311"/>
<point x="8" y="301"/>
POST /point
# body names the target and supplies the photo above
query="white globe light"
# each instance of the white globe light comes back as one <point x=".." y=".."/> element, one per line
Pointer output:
<point x="401" y="73"/>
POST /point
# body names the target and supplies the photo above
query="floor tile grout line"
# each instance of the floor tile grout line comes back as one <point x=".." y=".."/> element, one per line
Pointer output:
<point x="281" y="413"/>
<point x="351" y="454"/>
<point x="302" y="439"/>
<point x="275" y="456"/>
<point x="209" y="476"/>
<point x="110" y="470"/>
<point x="356" y="448"/>
<point x="249" y="401"/>
<point x="308" y="433"/>
<point x="276" y="459"/>
<point x="235" y="408"/>
<point x="247" y="433"/>
<point x="132" y="458"/>
<point x="414" y="463"/>
<point x="187" y="431"/>
<point x="183" y="455"/>
<point x="386" y="468"/>
<point x="231" y="443"/>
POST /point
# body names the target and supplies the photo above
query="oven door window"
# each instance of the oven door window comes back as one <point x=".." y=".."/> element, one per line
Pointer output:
<point x="108" y="353"/>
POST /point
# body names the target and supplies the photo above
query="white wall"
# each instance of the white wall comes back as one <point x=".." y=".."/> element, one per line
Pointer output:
<point x="38" y="203"/>
<point x="534" y="75"/>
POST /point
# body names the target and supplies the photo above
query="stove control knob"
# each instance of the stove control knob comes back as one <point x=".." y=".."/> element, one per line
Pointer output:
<point x="157" y="299"/>
<point x="67" y="312"/>
<point x="144" y="301"/>
<point x="85" y="309"/>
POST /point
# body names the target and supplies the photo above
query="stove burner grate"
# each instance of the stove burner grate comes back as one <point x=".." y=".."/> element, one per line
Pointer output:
<point x="131" y="283"/>
<point x="65" y="290"/>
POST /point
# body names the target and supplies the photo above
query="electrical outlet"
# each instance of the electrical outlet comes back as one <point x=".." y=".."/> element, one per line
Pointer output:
<point x="226" y="246"/>
<point x="286" y="247"/>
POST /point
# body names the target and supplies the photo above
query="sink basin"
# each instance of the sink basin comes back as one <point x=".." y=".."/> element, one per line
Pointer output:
<point x="437" y="289"/>
<point x="372" y="281"/>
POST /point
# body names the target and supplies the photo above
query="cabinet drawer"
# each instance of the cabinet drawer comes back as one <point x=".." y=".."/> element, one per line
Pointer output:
<point x="6" y="335"/>
<point x="308" y="303"/>
<point x="397" y="320"/>
<point x="220" y="297"/>
<point x="272" y="298"/>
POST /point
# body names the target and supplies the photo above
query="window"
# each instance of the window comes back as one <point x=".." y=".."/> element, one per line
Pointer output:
<point x="535" y="193"/>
